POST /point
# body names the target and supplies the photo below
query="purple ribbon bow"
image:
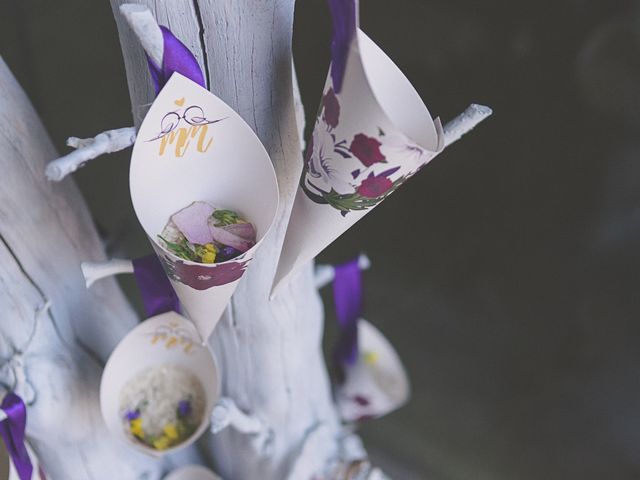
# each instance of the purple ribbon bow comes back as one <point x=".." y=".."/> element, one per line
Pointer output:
<point x="176" y="57"/>
<point x="347" y="294"/>
<point x="344" y="14"/>
<point x="12" y="430"/>
<point x="155" y="288"/>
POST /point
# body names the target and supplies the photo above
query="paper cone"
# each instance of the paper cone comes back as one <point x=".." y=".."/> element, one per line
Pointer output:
<point x="377" y="383"/>
<point x="167" y="339"/>
<point x="192" y="472"/>
<point x="368" y="139"/>
<point x="194" y="147"/>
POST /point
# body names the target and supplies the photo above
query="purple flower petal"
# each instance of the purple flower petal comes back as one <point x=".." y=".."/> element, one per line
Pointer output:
<point x="192" y="222"/>
<point x="227" y="253"/>
<point x="184" y="408"/>
<point x="132" y="414"/>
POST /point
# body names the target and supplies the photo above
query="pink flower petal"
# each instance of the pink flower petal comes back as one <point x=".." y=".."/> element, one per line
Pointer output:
<point x="192" y="222"/>
<point x="225" y="237"/>
<point x="243" y="230"/>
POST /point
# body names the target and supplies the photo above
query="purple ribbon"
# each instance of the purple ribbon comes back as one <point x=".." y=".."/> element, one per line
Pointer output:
<point x="12" y="430"/>
<point x="176" y="57"/>
<point x="345" y="22"/>
<point x="155" y="288"/>
<point x="347" y="294"/>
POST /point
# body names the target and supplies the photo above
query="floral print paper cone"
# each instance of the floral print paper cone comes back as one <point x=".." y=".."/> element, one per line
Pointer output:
<point x="192" y="147"/>
<point x="376" y="383"/>
<point x="371" y="135"/>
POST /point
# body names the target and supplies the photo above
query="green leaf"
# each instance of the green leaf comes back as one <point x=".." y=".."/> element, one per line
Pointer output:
<point x="225" y="217"/>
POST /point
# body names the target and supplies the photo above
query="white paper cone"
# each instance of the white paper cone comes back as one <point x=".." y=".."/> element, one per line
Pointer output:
<point x="194" y="147"/>
<point x="377" y="383"/>
<point x="167" y="339"/>
<point x="192" y="472"/>
<point x="368" y="139"/>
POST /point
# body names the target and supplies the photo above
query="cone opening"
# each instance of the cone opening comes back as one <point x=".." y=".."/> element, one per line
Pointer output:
<point x="396" y="95"/>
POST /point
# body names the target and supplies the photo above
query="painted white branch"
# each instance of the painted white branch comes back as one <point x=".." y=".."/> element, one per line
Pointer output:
<point x="94" y="271"/>
<point x="324" y="274"/>
<point x="227" y="414"/>
<point x="269" y="351"/>
<point x="465" y="122"/>
<point x="88" y="149"/>
<point x="146" y="28"/>
<point x="55" y="334"/>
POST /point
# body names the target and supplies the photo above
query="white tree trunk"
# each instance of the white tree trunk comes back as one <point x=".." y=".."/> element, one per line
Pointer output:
<point x="269" y="351"/>
<point x="54" y="334"/>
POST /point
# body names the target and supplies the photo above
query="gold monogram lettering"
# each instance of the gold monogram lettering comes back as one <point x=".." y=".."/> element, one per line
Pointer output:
<point x="181" y="139"/>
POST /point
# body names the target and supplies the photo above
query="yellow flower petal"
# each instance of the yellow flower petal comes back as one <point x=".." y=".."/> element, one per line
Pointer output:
<point x="370" y="357"/>
<point x="209" y="257"/>
<point x="170" y="431"/>
<point x="135" y="426"/>
<point x="161" y="443"/>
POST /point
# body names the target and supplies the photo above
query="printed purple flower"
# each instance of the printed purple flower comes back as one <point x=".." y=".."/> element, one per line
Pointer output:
<point x="367" y="150"/>
<point x="375" y="186"/>
<point x="184" y="408"/>
<point x="331" y="108"/>
<point x="327" y="169"/>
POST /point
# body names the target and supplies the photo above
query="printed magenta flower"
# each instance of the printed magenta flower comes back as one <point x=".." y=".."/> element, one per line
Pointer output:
<point x="367" y="150"/>
<point x="331" y="108"/>
<point x="375" y="186"/>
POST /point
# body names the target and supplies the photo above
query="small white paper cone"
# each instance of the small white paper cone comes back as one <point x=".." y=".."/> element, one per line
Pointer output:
<point x="192" y="472"/>
<point x="368" y="139"/>
<point x="377" y="383"/>
<point x="193" y="147"/>
<point x="167" y="339"/>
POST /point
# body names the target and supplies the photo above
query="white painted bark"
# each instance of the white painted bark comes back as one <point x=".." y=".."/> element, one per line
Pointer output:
<point x="88" y="149"/>
<point x="54" y="334"/>
<point x="269" y="351"/>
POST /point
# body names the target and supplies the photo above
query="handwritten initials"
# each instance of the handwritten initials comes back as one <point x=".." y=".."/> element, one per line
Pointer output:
<point x="181" y="139"/>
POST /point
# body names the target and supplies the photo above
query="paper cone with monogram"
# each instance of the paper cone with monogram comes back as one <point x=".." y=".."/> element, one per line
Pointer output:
<point x="372" y="133"/>
<point x="193" y="148"/>
<point x="170" y="344"/>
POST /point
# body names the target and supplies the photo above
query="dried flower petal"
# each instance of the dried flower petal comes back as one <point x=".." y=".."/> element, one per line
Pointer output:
<point x="192" y="222"/>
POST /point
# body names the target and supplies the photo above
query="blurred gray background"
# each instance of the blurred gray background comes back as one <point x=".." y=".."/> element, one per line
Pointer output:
<point x="505" y="273"/>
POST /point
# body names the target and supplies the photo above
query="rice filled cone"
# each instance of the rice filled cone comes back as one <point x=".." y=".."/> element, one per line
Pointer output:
<point x="372" y="133"/>
<point x="159" y="386"/>
<point x="193" y="153"/>
<point x="376" y="383"/>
